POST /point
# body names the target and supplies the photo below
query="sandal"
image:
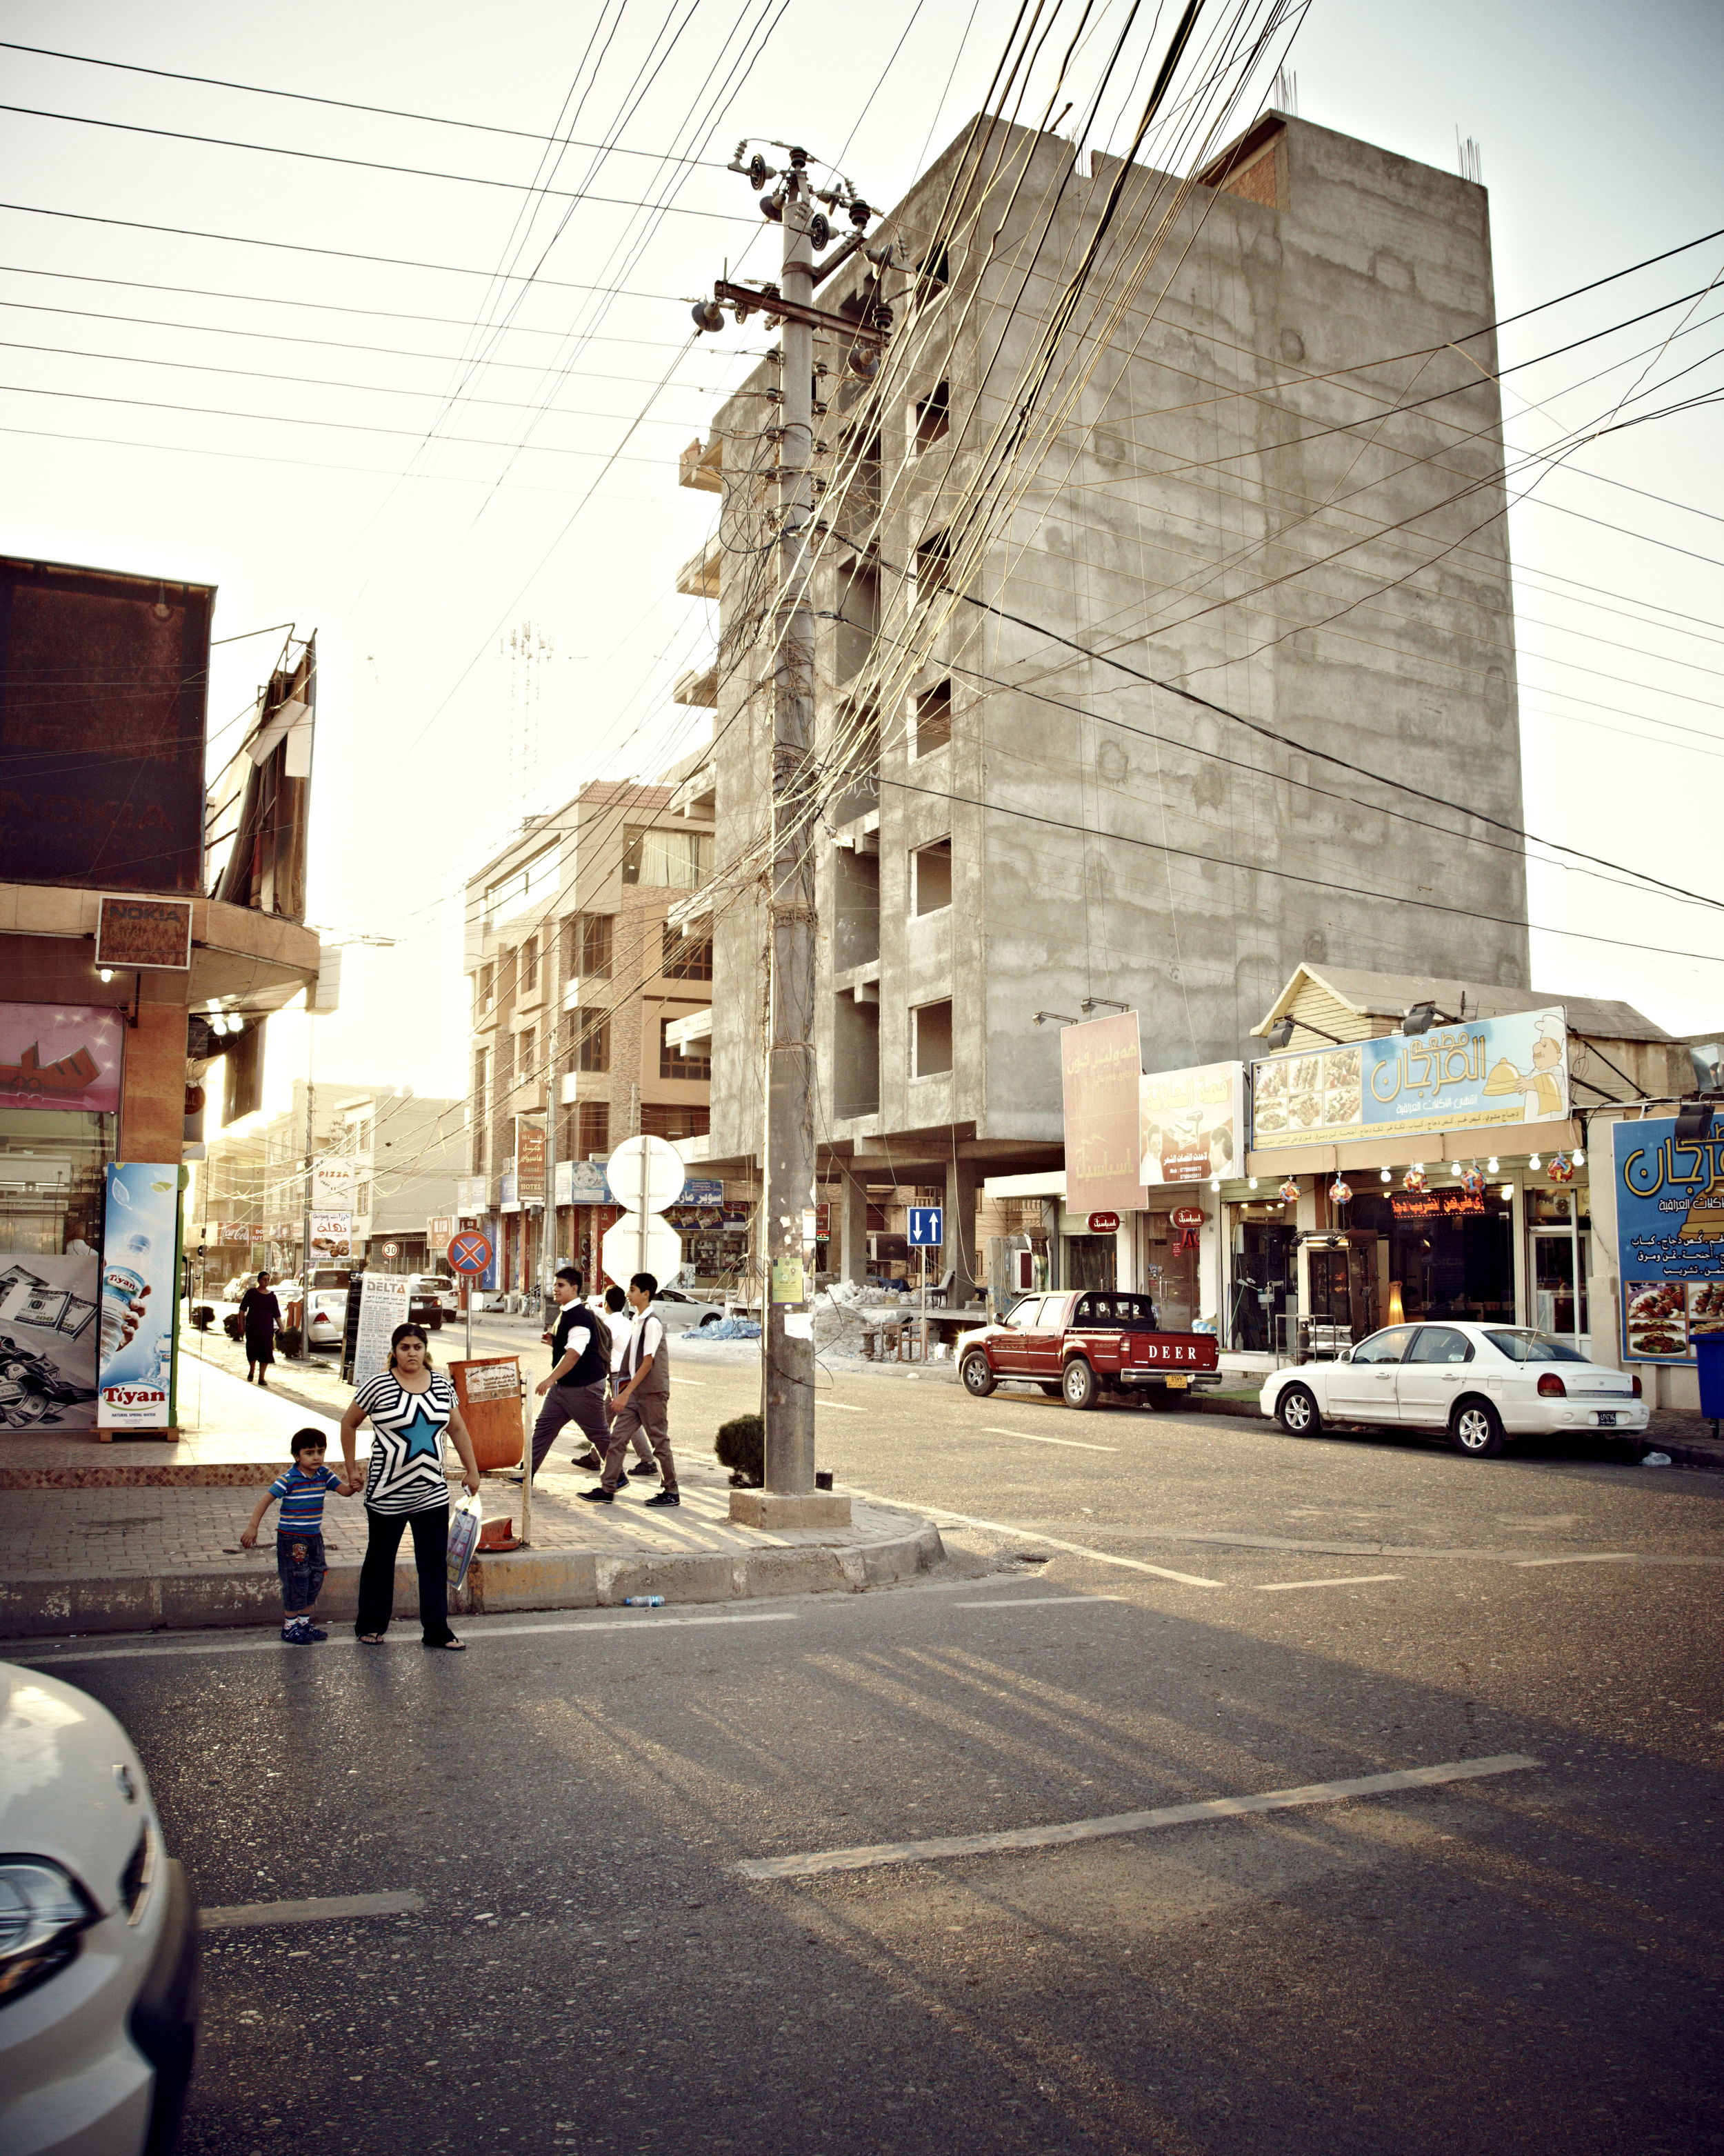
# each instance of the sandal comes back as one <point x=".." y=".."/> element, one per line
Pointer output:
<point x="369" y="1638"/>
<point x="452" y="1645"/>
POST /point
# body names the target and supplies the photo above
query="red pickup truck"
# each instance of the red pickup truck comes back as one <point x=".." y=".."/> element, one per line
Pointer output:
<point x="1086" y="1342"/>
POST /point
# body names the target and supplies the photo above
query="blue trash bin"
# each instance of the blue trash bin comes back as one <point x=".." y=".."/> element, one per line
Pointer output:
<point x="1709" y="1347"/>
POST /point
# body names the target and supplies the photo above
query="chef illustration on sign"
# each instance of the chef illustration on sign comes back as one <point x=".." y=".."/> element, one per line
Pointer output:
<point x="1547" y="1081"/>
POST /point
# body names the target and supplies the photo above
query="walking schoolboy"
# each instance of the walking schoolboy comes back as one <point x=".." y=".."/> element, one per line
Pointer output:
<point x="581" y="1353"/>
<point x="619" y="1323"/>
<point x="642" y="1399"/>
<point x="299" y="1533"/>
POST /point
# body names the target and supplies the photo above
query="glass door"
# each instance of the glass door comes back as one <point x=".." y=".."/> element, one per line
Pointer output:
<point x="1556" y="1307"/>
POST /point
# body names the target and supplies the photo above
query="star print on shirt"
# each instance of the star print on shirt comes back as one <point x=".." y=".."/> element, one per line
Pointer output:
<point x="421" y="1434"/>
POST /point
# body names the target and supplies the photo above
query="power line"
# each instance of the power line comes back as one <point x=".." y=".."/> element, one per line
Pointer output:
<point x="364" y="164"/>
<point x="345" y="105"/>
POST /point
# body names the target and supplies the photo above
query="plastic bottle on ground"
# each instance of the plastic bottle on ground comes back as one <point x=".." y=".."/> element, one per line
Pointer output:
<point x="643" y="1602"/>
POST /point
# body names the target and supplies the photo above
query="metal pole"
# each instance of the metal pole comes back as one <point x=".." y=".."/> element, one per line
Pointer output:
<point x="305" y="1353"/>
<point x="789" y="1360"/>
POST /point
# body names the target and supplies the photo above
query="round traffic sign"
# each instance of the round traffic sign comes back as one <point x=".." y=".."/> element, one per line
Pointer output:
<point x="468" y="1252"/>
<point x="641" y="1243"/>
<point x="645" y="1174"/>
<point x="392" y="1250"/>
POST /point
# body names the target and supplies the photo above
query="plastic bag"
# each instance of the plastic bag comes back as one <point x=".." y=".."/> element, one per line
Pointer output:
<point x="464" y="1522"/>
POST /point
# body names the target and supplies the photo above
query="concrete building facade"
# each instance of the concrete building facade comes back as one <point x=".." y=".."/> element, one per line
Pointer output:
<point x="1203" y="669"/>
<point x="590" y="969"/>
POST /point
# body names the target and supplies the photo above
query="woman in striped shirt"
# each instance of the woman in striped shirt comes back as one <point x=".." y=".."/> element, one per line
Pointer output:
<point x="410" y="1405"/>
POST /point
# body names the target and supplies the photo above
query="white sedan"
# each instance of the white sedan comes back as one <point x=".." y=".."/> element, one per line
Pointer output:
<point x="98" y="1934"/>
<point x="1481" y="1384"/>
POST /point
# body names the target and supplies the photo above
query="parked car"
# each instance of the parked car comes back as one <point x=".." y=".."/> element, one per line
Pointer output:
<point x="678" y="1310"/>
<point x="326" y="1314"/>
<point x="1480" y="1384"/>
<point x="1080" y="1345"/>
<point x="430" y="1298"/>
<point x="98" y="1934"/>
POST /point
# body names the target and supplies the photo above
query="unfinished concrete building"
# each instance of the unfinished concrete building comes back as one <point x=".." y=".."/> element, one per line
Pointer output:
<point x="1157" y="653"/>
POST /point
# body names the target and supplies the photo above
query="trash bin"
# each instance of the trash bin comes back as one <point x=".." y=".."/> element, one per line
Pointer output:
<point x="1709" y="1347"/>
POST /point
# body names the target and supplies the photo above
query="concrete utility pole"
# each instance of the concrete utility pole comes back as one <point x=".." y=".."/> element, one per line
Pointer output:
<point x="789" y="1347"/>
<point x="787" y="1388"/>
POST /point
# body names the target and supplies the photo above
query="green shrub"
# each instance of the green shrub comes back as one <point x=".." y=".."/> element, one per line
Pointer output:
<point x="742" y="1446"/>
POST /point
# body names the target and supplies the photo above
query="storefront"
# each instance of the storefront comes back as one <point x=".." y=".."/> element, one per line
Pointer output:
<point x="59" y="1092"/>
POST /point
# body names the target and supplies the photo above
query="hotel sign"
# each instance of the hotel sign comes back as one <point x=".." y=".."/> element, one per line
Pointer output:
<point x="1472" y="1076"/>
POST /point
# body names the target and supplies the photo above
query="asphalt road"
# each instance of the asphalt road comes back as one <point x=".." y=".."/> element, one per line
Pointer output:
<point x="1143" y="1611"/>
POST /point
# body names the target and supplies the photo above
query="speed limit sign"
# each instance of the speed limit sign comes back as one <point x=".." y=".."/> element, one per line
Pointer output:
<point x="392" y="1250"/>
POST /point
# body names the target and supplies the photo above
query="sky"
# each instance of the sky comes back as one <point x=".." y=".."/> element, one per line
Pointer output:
<point x="492" y="582"/>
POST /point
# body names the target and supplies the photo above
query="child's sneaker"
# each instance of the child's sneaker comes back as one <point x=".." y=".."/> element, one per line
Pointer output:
<point x="310" y="1631"/>
<point x="296" y="1633"/>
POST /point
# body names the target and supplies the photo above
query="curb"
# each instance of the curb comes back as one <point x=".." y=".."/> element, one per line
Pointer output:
<point x="522" y="1579"/>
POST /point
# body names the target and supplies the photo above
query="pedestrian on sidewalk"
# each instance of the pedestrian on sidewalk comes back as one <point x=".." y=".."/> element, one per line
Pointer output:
<point x="642" y="1402"/>
<point x="574" y="1391"/>
<point x="260" y="1314"/>
<point x="298" y="1532"/>
<point x="618" y="1323"/>
<point x="410" y="1405"/>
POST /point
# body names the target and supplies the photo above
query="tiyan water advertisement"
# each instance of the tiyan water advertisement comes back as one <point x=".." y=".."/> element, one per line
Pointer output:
<point x="1669" y="1239"/>
<point x="140" y="1303"/>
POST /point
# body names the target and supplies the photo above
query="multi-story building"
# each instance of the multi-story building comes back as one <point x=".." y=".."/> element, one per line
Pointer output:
<point x="590" y="969"/>
<point x="1164" y="635"/>
<point x="405" y="1152"/>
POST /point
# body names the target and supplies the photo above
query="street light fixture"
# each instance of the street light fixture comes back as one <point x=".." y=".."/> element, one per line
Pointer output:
<point x="1281" y="1033"/>
<point x="1058" y="1017"/>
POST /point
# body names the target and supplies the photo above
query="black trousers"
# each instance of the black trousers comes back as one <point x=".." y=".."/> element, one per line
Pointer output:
<point x="376" y="1575"/>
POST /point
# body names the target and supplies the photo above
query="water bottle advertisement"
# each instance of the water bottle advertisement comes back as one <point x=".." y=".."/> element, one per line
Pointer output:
<point x="140" y="1303"/>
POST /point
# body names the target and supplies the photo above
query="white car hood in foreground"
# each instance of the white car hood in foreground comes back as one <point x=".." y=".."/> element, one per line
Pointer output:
<point x="60" y="1796"/>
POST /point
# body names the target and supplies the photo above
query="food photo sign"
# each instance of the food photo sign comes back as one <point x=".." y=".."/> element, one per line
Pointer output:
<point x="1190" y="1123"/>
<point x="1465" y="1076"/>
<point x="1669" y="1239"/>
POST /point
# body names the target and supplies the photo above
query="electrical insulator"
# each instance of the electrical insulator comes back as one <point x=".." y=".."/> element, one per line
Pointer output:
<point x="759" y="171"/>
<point x="882" y="318"/>
<point x="707" y="314"/>
<point x="798" y="158"/>
<point x="819" y="230"/>
<point x="860" y="214"/>
<point x="771" y="207"/>
<point x="863" y="363"/>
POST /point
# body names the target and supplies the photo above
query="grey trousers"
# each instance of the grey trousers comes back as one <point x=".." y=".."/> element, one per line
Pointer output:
<point x="646" y="1417"/>
<point x="583" y="1404"/>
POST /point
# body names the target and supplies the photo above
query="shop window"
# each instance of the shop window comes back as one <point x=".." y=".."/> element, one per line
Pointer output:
<point x="930" y="878"/>
<point x="675" y="1062"/>
<point x="592" y="1127"/>
<point x="932" y="419"/>
<point x="930" y="1039"/>
<point x="933" y="719"/>
<point x="685" y="958"/>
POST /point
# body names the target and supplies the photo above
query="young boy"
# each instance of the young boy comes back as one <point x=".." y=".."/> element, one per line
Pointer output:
<point x="299" y="1533"/>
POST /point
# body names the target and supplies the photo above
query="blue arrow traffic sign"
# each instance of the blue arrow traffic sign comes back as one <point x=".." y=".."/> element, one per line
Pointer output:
<point x="925" y="1226"/>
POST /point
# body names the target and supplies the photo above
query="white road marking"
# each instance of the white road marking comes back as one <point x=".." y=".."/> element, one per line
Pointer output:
<point x="1590" y="1557"/>
<point x="326" y="1909"/>
<point x="1027" y="1438"/>
<point x="1038" y="1601"/>
<point x="845" y="1405"/>
<point x="586" y="1622"/>
<point x="1359" y="1579"/>
<point x="697" y="1383"/>
<point x="869" y="1857"/>
<point x="1052" y="1542"/>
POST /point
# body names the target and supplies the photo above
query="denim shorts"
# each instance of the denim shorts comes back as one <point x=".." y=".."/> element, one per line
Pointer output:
<point x="299" y="1559"/>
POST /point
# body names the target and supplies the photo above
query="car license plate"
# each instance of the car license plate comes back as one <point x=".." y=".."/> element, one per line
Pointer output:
<point x="1179" y="1382"/>
<point x="1606" y="1421"/>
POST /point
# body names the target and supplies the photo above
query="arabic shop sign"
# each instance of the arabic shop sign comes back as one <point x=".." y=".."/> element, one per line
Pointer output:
<point x="1190" y="1123"/>
<point x="1473" y="1076"/>
<point x="1670" y="1240"/>
<point x="1445" y="1204"/>
<point x="1100" y="1065"/>
<point x="61" y="1055"/>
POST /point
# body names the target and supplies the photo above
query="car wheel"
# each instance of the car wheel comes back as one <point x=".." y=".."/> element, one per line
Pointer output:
<point x="1296" y="1411"/>
<point x="979" y="1380"/>
<point x="711" y="1317"/>
<point x="1476" y="1430"/>
<point x="1077" y="1385"/>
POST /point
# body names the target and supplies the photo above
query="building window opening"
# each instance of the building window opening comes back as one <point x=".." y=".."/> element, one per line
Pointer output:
<point x="933" y="274"/>
<point x="525" y="1051"/>
<point x="933" y="719"/>
<point x="933" y="419"/>
<point x="858" y="616"/>
<point x="675" y="1062"/>
<point x="667" y="861"/>
<point x="930" y="878"/>
<point x="684" y="957"/>
<point x="530" y="965"/>
<point x="487" y="987"/>
<point x="588" y="957"/>
<point x="933" y="565"/>
<point x="590" y="1039"/>
<point x="659" y="1119"/>
<point x="930" y="1039"/>
<point x="592" y="1127"/>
